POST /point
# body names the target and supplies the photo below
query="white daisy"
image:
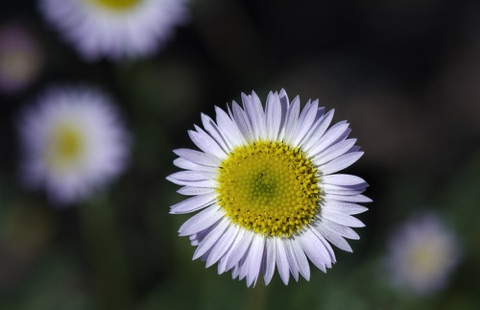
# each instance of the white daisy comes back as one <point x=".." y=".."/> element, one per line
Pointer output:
<point x="423" y="252"/>
<point x="266" y="186"/>
<point x="115" y="29"/>
<point x="73" y="143"/>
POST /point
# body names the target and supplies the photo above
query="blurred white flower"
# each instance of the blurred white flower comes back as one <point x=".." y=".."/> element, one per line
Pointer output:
<point x="422" y="254"/>
<point x="115" y="29"/>
<point x="20" y="58"/>
<point x="73" y="143"/>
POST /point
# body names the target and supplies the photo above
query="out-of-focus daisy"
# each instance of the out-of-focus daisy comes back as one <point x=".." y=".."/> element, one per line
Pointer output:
<point x="20" y="58"/>
<point x="265" y="182"/>
<point x="73" y="143"/>
<point x="115" y="29"/>
<point x="422" y="254"/>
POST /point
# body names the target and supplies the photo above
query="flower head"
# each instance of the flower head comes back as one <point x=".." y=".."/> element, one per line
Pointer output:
<point x="73" y="142"/>
<point x="115" y="29"/>
<point x="20" y="58"/>
<point x="266" y="186"/>
<point x="423" y="252"/>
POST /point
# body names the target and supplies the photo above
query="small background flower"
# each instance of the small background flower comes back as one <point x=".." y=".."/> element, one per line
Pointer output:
<point x="404" y="74"/>
<point x="116" y="29"/>
<point x="21" y="57"/>
<point x="423" y="252"/>
<point x="73" y="142"/>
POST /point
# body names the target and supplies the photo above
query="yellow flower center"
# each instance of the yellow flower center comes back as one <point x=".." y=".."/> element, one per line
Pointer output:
<point x="66" y="146"/>
<point x="269" y="188"/>
<point x="117" y="4"/>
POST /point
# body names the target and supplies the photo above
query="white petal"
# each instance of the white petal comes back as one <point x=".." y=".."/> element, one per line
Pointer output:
<point x="206" y="143"/>
<point x="333" y="237"/>
<point x="333" y="151"/>
<point x="340" y="163"/>
<point x="341" y="218"/>
<point x="257" y="116"/>
<point x="242" y="122"/>
<point x="344" y="207"/>
<point x="271" y="257"/>
<point x="315" y="250"/>
<point x="291" y="257"/>
<point x="300" y="258"/>
<point x="254" y="258"/>
<point x="342" y="230"/>
<point x="198" y="157"/>
<point x="193" y="191"/>
<point x="340" y="190"/>
<point x="203" y="183"/>
<point x="282" y="260"/>
<point x="329" y="138"/>
<point x="216" y="134"/>
<point x="191" y="176"/>
<point x="222" y="265"/>
<point x="343" y="180"/>
<point x="239" y="250"/>
<point x="273" y="116"/>
<point x="285" y="106"/>
<point x="193" y="204"/>
<point x="317" y="130"/>
<point x="354" y="198"/>
<point x="229" y="128"/>
<point x="305" y="123"/>
<point x="291" y="121"/>
<point x="223" y="244"/>
<point x="201" y="221"/>
<point x="214" y="235"/>
<point x="188" y="165"/>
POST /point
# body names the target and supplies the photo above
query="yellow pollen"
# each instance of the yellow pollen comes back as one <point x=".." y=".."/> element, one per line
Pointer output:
<point x="269" y="188"/>
<point x="117" y="4"/>
<point x="65" y="147"/>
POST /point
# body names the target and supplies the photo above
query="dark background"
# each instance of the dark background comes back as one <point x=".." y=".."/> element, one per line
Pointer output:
<point x="404" y="73"/>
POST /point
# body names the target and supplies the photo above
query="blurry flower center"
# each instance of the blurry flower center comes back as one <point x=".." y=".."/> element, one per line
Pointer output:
<point x="426" y="258"/>
<point x="17" y="64"/>
<point x="66" y="147"/>
<point x="269" y="188"/>
<point x="117" y="4"/>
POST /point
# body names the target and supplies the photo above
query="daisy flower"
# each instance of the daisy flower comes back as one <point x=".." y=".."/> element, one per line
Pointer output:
<point x="115" y="29"/>
<point x="422" y="254"/>
<point x="73" y="143"/>
<point x="265" y="184"/>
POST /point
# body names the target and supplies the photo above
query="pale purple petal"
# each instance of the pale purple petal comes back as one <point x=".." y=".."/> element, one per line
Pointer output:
<point x="317" y="131"/>
<point x="201" y="221"/>
<point x="224" y="243"/>
<point x="214" y="235"/>
<point x="333" y="151"/>
<point x="342" y="218"/>
<point x="332" y="237"/>
<point x="329" y="138"/>
<point x="188" y="165"/>
<point x="198" y="157"/>
<point x="273" y="116"/>
<point x="271" y="257"/>
<point x="282" y="260"/>
<point x="229" y="128"/>
<point x="206" y="143"/>
<point x="340" y="163"/>
<point x="193" y="204"/>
